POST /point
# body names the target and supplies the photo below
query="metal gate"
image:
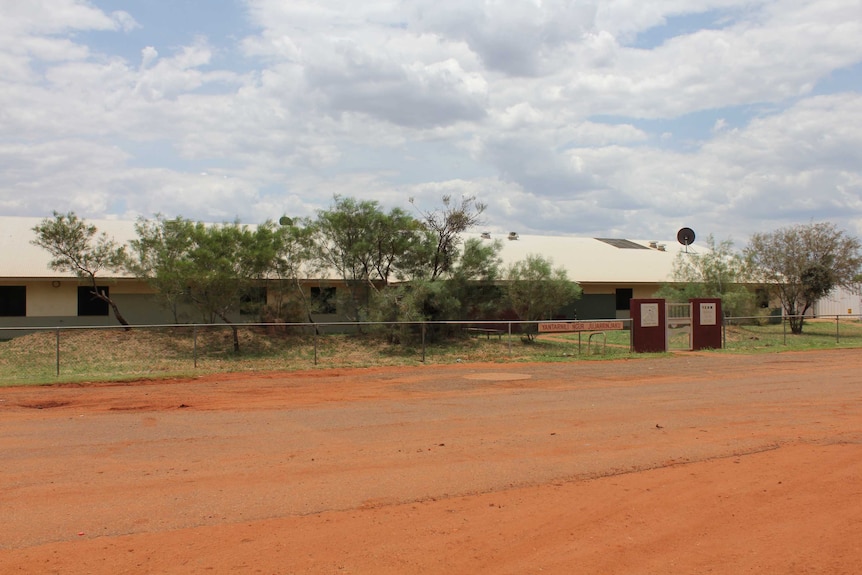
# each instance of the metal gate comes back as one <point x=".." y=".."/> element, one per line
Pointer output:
<point x="679" y="333"/>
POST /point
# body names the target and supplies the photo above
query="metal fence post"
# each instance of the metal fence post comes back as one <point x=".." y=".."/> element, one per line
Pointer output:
<point x="837" y="335"/>
<point x="57" y="353"/>
<point x="195" y="345"/>
<point x="423" y="342"/>
<point x="510" y="339"/>
<point x="315" y="345"/>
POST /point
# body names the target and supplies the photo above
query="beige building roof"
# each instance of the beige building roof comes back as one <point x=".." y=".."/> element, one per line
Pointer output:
<point x="587" y="260"/>
<point x="592" y="260"/>
<point x="21" y="259"/>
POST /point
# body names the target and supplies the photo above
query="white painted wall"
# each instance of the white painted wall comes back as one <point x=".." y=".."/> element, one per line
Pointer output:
<point x="839" y="302"/>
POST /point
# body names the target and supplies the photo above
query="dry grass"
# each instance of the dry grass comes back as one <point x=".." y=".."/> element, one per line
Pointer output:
<point x="118" y="354"/>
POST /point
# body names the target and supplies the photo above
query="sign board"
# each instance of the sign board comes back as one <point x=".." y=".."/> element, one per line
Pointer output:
<point x="649" y="315"/>
<point x="575" y="326"/>
<point x="707" y="314"/>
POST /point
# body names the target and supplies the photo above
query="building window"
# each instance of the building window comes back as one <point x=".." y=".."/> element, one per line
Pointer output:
<point x="323" y="300"/>
<point x="252" y="300"/>
<point x="762" y="297"/>
<point x="13" y="301"/>
<point x="624" y="296"/>
<point x="90" y="305"/>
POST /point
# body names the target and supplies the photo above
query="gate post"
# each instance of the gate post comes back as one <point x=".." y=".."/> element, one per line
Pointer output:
<point x="649" y="321"/>
<point x="705" y="323"/>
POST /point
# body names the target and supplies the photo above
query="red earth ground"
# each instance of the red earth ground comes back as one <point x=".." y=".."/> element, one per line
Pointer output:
<point x="694" y="463"/>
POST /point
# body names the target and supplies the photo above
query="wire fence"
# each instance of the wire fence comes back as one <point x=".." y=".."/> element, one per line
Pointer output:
<point x="70" y="354"/>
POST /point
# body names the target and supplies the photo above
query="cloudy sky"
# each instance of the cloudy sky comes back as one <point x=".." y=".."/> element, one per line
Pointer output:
<point x="624" y="118"/>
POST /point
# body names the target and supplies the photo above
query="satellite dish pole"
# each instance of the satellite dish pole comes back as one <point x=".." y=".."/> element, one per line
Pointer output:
<point x="685" y="236"/>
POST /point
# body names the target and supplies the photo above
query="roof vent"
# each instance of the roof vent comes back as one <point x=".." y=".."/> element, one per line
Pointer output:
<point x="486" y="236"/>
<point x="513" y="235"/>
<point x="661" y="247"/>
<point x="653" y="244"/>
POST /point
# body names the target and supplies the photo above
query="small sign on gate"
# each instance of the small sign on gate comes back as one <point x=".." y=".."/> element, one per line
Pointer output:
<point x="649" y="315"/>
<point x="707" y="314"/>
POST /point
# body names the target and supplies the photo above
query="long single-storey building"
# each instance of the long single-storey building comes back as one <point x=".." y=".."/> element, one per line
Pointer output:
<point x="610" y="272"/>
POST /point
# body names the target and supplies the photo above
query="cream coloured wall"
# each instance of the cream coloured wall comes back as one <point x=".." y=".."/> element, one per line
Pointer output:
<point x="129" y="287"/>
<point x="638" y="291"/>
<point x="43" y="299"/>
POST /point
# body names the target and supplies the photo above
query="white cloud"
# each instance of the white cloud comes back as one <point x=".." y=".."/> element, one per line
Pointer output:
<point x="558" y="114"/>
<point x="56" y="16"/>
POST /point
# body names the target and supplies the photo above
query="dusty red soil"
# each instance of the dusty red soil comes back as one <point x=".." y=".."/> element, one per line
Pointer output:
<point x="691" y="464"/>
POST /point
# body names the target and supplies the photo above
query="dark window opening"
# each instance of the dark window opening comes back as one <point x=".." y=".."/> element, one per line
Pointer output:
<point x="323" y="300"/>
<point x="13" y="301"/>
<point x="252" y="300"/>
<point x="762" y="297"/>
<point x="89" y="304"/>
<point x="624" y="297"/>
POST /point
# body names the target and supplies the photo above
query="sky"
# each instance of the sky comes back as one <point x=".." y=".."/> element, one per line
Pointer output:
<point x="597" y="118"/>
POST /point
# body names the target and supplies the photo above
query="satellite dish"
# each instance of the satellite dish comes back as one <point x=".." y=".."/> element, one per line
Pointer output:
<point x="285" y="221"/>
<point x="685" y="236"/>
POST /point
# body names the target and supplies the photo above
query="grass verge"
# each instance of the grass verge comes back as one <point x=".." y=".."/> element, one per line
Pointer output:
<point x="83" y="355"/>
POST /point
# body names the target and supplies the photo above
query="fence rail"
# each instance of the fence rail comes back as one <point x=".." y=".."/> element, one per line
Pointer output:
<point x="44" y="355"/>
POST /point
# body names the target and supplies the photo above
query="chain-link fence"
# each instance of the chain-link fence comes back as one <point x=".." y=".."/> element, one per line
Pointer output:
<point x="46" y="355"/>
<point x="34" y="355"/>
<point x="765" y="332"/>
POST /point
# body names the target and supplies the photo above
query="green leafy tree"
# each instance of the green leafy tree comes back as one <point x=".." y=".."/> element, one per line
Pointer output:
<point x="294" y="261"/>
<point x="365" y="246"/>
<point x="437" y="252"/>
<point x="470" y="291"/>
<point x="536" y="290"/>
<point x="160" y="255"/>
<point x="803" y="263"/>
<point x="716" y="272"/>
<point x="77" y="247"/>
<point x="211" y="267"/>
<point x="225" y="261"/>
<point x="473" y="284"/>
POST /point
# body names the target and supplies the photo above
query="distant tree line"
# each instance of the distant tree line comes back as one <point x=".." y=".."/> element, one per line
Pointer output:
<point x="797" y="265"/>
<point x="393" y="266"/>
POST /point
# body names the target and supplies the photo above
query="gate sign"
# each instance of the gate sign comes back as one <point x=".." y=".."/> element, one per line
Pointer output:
<point x="575" y="326"/>
<point x="707" y="314"/>
<point x="649" y="315"/>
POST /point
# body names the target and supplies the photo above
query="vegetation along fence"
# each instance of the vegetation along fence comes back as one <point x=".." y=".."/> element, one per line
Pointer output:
<point x="74" y="354"/>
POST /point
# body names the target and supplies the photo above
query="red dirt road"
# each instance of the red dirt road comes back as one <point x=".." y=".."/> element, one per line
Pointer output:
<point x="696" y="463"/>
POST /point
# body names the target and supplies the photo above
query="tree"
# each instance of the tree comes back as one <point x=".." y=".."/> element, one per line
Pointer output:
<point x="716" y="272"/>
<point x="535" y="290"/>
<point x="293" y="261"/>
<point x="365" y="246"/>
<point x="473" y="282"/>
<point x="77" y="247"/>
<point x="446" y="225"/>
<point x="159" y="255"/>
<point x="469" y="292"/>
<point x="211" y="267"/>
<point x="803" y="263"/>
